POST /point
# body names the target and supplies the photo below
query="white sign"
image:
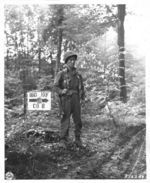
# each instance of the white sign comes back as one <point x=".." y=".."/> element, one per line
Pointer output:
<point x="39" y="100"/>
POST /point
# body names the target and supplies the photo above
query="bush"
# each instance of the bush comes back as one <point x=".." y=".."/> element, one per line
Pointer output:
<point x="45" y="83"/>
<point x="12" y="87"/>
<point x="137" y="95"/>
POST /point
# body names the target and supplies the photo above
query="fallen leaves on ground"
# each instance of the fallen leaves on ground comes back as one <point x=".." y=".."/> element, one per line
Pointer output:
<point x="33" y="151"/>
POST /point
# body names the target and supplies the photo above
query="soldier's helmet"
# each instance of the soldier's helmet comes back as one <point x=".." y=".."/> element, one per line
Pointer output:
<point x="69" y="54"/>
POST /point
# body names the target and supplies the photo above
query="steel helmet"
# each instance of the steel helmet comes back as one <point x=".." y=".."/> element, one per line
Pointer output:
<point x="69" y="54"/>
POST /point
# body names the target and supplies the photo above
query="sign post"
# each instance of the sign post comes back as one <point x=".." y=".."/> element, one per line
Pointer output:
<point x="39" y="101"/>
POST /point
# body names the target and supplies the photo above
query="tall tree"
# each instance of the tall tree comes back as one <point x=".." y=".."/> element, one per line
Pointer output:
<point x="60" y="14"/>
<point x="53" y="33"/>
<point x="121" y="17"/>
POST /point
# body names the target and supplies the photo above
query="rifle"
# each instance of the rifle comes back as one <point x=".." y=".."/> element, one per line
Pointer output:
<point x="61" y="112"/>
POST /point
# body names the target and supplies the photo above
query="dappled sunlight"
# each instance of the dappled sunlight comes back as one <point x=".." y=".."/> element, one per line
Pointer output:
<point x="99" y="102"/>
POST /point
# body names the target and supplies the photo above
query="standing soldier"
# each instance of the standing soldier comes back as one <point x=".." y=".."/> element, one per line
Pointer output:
<point x="69" y="86"/>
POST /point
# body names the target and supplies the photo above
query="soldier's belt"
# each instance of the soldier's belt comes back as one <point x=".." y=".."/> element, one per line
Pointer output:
<point x="71" y="92"/>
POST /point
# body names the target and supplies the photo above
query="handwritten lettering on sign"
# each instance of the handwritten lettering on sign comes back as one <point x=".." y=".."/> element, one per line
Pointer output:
<point x="39" y="100"/>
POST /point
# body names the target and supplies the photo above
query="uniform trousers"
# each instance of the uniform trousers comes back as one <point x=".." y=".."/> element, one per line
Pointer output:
<point x="70" y="106"/>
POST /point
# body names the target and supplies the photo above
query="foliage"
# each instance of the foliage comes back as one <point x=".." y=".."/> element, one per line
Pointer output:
<point x="46" y="83"/>
<point x="30" y="155"/>
<point x="31" y="43"/>
<point x="30" y="58"/>
<point x="99" y="63"/>
<point x="34" y="29"/>
<point x="138" y="95"/>
<point x="12" y="85"/>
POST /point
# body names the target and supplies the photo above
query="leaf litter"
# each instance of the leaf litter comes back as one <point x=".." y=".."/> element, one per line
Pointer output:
<point x="106" y="153"/>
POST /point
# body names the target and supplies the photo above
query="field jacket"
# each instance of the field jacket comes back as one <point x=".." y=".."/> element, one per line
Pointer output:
<point x="70" y="80"/>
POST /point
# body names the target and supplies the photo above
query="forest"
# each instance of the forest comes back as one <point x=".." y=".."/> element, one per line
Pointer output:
<point x="113" y="113"/>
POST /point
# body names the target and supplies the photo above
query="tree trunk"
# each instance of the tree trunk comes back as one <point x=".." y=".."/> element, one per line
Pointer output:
<point x="7" y="60"/>
<point x="121" y="17"/>
<point x="52" y="65"/>
<point x="24" y="93"/>
<point x="60" y="13"/>
<point x="39" y="58"/>
<point x="65" y="45"/>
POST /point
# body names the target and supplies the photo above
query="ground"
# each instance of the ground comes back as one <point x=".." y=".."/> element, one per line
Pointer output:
<point x="33" y="150"/>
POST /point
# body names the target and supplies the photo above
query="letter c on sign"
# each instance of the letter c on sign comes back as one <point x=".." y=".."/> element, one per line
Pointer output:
<point x="34" y="105"/>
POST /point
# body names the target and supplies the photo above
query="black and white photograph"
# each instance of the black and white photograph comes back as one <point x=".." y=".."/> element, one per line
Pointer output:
<point x="75" y="90"/>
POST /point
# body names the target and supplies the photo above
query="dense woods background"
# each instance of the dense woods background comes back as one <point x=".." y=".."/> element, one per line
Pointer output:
<point x="36" y="38"/>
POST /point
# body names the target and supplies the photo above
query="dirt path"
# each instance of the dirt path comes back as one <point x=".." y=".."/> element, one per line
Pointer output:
<point x="119" y="161"/>
<point x="106" y="154"/>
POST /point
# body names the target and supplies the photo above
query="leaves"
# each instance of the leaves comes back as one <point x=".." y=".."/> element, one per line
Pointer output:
<point x="33" y="144"/>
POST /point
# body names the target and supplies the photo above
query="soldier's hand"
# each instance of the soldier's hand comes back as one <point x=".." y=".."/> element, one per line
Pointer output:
<point x="64" y="91"/>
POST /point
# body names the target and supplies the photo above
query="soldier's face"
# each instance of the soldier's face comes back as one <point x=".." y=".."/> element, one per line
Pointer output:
<point x="71" y="62"/>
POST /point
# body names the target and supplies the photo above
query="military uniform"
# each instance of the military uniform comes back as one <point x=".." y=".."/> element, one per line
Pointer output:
<point x="70" y="101"/>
